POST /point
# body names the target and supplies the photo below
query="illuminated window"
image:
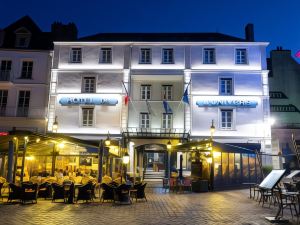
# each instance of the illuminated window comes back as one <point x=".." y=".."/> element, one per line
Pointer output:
<point x="89" y="85"/>
<point x="76" y="55"/>
<point x="240" y="56"/>
<point x="209" y="56"/>
<point x="145" y="56"/>
<point x="226" y="119"/>
<point x="5" y="70"/>
<point x="167" y="120"/>
<point x="3" y="101"/>
<point x="105" y="55"/>
<point x="167" y="92"/>
<point x="145" y="92"/>
<point x="226" y="87"/>
<point x="26" y="72"/>
<point x="23" y="103"/>
<point x="168" y="56"/>
<point x="87" y="117"/>
<point x="144" y="120"/>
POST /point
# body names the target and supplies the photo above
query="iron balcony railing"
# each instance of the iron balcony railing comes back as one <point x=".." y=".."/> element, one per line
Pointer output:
<point x="5" y="75"/>
<point x="156" y="132"/>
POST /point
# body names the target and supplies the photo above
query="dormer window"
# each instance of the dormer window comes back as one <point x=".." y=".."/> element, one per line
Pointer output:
<point x="22" y="38"/>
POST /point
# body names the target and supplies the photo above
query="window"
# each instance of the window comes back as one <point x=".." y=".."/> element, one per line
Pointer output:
<point x="167" y="56"/>
<point x="167" y="92"/>
<point x="22" y="38"/>
<point x="26" y="72"/>
<point x="145" y="56"/>
<point x="167" y="120"/>
<point x="5" y="70"/>
<point x="87" y="117"/>
<point x="76" y="55"/>
<point x="23" y="103"/>
<point x="144" y="120"/>
<point x="3" y="101"/>
<point x="89" y="85"/>
<point x="226" y="119"/>
<point x="145" y="92"/>
<point x="209" y="56"/>
<point x="105" y="55"/>
<point x="226" y="87"/>
<point x="240" y="56"/>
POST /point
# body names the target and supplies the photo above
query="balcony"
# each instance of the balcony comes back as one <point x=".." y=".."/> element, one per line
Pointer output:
<point x="5" y="75"/>
<point x="156" y="133"/>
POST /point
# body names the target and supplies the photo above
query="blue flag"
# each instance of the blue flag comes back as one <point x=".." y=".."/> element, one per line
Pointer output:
<point x="167" y="107"/>
<point x="185" y="97"/>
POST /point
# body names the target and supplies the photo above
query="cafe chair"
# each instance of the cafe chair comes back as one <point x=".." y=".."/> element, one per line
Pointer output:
<point x="121" y="194"/>
<point x="1" y="186"/>
<point x="107" y="192"/>
<point x="286" y="200"/>
<point x="15" y="193"/>
<point x="139" y="193"/>
<point x="44" y="190"/>
<point x="58" y="192"/>
<point x="29" y="193"/>
<point x="85" y="193"/>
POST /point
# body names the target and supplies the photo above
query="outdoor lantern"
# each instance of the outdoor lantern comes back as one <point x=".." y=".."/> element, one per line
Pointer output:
<point x="126" y="158"/>
<point x="212" y="128"/>
<point x="107" y="141"/>
<point x="55" y="125"/>
<point x="209" y="160"/>
<point x="169" y="145"/>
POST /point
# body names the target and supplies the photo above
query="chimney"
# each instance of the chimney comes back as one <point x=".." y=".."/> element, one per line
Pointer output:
<point x="1" y="37"/>
<point x="64" y="32"/>
<point x="249" y="32"/>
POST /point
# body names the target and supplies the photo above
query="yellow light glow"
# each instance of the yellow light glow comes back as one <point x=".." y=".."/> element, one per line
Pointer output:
<point x="216" y="154"/>
<point x="107" y="142"/>
<point x="26" y="138"/>
<point x="209" y="160"/>
<point x="30" y="158"/>
<point x="38" y="140"/>
<point x="169" y="145"/>
<point x="209" y="148"/>
<point x="126" y="159"/>
<point x="61" y="145"/>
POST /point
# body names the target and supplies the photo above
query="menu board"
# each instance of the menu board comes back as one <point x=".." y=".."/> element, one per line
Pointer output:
<point x="272" y="179"/>
<point x="292" y="174"/>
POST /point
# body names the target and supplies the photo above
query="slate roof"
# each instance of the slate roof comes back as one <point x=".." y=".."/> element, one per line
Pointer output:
<point x="161" y="37"/>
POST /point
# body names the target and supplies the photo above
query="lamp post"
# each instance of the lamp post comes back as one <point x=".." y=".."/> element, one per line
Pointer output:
<point x="169" y="148"/>
<point x="212" y="131"/>
<point x="125" y="160"/>
<point x="107" y="141"/>
<point x="23" y="158"/>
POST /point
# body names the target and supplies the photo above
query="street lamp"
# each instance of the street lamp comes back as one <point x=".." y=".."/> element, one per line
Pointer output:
<point x="212" y="129"/>
<point x="55" y="125"/>
<point x="125" y="160"/>
<point x="211" y="160"/>
<point x="107" y="141"/>
<point x="169" y="147"/>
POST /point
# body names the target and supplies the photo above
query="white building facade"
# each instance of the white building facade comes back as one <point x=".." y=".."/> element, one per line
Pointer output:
<point x="131" y="85"/>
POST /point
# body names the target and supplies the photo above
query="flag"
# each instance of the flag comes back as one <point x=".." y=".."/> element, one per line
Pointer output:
<point x="126" y="99"/>
<point x="297" y="54"/>
<point x="150" y="111"/>
<point x="185" y="97"/>
<point x="167" y="107"/>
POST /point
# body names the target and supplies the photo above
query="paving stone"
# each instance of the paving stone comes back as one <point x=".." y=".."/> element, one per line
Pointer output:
<point x="226" y="207"/>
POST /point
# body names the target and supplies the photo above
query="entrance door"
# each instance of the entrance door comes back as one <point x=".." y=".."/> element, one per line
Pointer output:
<point x="155" y="161"/>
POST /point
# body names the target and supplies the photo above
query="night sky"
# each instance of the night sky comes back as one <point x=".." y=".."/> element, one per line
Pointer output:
<point x="275" y="21"/>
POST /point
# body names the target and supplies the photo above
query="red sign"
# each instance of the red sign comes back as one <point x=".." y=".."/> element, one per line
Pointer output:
<point x="297" y="54"/>
<point x="3" y="133"/>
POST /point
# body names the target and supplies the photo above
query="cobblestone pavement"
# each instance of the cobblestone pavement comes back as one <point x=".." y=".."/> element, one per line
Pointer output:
<point x="226" y="207"/>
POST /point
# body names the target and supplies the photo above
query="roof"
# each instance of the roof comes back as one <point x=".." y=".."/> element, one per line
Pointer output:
<point x="38" y="40"/>
<point x="161" y="37"/>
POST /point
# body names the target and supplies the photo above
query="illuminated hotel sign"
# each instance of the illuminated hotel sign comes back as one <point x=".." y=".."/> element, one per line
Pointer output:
<point x="242" y="103"/>
<point x="65" y="101"/>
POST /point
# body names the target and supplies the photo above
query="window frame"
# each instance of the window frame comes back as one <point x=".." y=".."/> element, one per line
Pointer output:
<point x="104" y="49"/>
<point x="72" y="49"/>
<point x="146" y="92"/>
<point x="3" y="101"/>
<point x="214" y="58"/>
<point x="167" y="119"/>
<point x="27" y="71"/>
<point x="88" y="125"/>
<point x="83" y="87"/>
<point x="162" y="56"/>
<point x="246" y="56"/>
<point x="141" y="125"/>
<point x="150" y="56"/>
<point x="220" y="86"/>
<point x="168" y="97"/>
<point x="24" y="112"/>
<point x="233" y="115"/>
